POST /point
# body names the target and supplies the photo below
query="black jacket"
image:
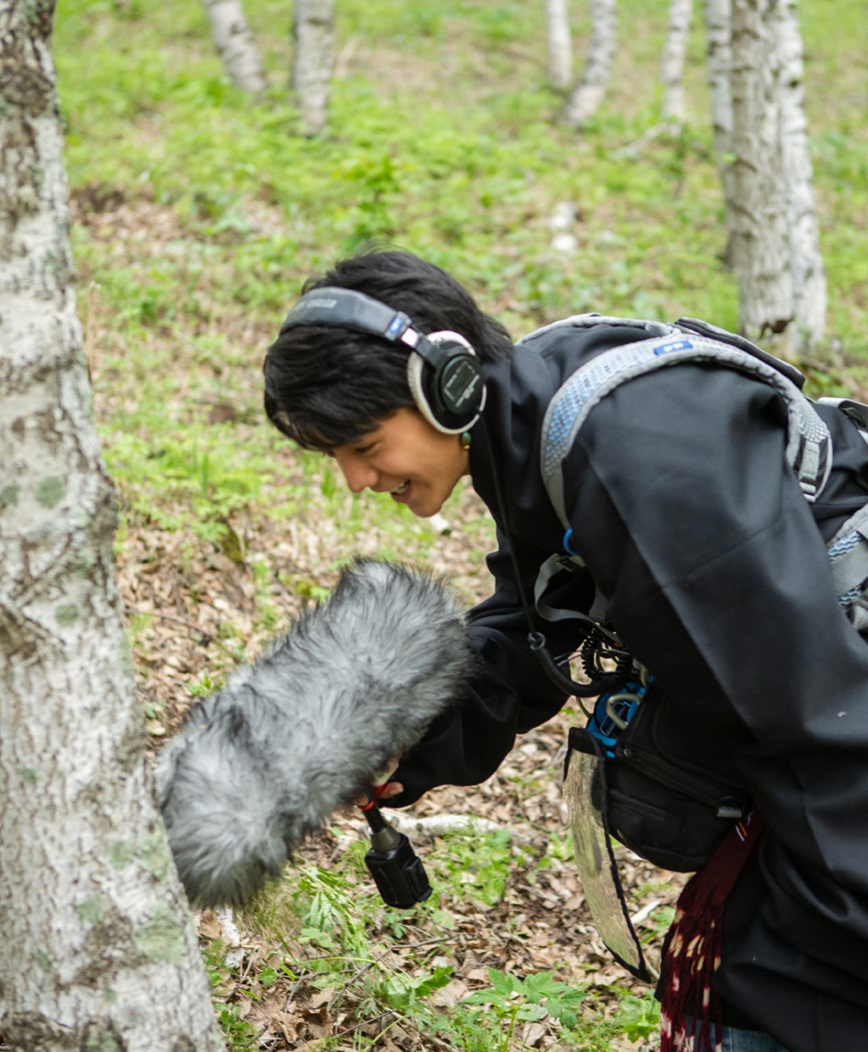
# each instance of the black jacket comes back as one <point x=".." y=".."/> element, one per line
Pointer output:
<point x="692" y="524"/>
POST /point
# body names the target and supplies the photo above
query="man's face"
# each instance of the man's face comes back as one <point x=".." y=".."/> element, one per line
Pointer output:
<point x="408" y="458"/>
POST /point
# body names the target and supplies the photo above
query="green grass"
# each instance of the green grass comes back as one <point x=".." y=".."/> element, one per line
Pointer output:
<point x="259" y="205"/>
<point x="254" y="207"/>
<point x="204" y="210"/>
<point x="343" y="942"/>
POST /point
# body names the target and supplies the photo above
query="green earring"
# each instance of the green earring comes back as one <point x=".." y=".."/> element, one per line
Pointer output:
<point x="465" y="440"/>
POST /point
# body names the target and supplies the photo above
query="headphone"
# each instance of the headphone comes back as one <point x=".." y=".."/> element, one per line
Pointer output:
<point x="443" y="369"/>
<point x="445" y="378"/>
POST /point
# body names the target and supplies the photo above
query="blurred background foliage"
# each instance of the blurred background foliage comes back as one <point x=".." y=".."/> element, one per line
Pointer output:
<point x="443" y="138"/>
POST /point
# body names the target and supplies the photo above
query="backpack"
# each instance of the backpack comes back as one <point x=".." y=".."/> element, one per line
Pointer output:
<point x="669" y="811"/>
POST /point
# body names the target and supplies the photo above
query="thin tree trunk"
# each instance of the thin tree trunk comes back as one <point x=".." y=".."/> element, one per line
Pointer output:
<point x="718" y="48"/>
<point x="760" y="217"/>
<point x="313" y="61"/>
<point x="672" y="64"/>
<point x="775" y="238"/>
<point x="235" y="44"/>
<point x="809" y="275"/>
<point x="586" y="98"/>
<point x="560" y="45"/>
<point x="98" y="948"/>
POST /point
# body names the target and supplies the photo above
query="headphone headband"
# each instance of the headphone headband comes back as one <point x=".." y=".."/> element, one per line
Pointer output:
<point x="332" y="305"/>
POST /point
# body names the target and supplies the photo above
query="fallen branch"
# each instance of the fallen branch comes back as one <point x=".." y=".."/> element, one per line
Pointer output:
<point x="440" y="825"/>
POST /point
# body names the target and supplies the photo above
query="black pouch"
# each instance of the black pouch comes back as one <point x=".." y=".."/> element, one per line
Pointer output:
<point x="665" y="808"/>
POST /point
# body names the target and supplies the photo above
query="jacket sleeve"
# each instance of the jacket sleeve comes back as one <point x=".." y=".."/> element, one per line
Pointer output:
<point x="693" y="525"/>
<point x="509" y="693"/>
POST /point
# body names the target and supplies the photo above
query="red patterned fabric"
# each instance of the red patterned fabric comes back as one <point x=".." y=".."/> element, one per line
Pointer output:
<point x="691" y="952"/>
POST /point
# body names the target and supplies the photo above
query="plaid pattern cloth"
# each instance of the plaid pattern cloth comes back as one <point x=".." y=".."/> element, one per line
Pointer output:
<point x="691" y="952"/>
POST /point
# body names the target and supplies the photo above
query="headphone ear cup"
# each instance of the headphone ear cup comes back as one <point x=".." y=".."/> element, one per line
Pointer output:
<point x="416" y="366"/>
<point x="451" y="395"/>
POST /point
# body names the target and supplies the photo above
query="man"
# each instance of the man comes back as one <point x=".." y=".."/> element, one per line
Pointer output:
<point x="694" y="491"/>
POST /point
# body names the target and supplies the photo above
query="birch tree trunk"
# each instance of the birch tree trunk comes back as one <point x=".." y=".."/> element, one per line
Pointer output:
<point x="775" y="240"/>
<point x="313" y="61"/>
<point x="98" y="949"/>
<point x="587" y="96"/>
<point x="806" y="259"/>
<point x="235" y="44"/>
<point x="672" y="63"/>
<point x="718" y="49"/>
<point x="560" y="45"/>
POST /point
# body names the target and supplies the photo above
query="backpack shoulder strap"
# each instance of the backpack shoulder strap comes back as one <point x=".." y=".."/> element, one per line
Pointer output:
<point x="808" y="440"/>
<point x="590" y="321"/>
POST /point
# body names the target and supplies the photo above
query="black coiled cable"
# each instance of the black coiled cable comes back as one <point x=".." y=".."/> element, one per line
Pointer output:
<point x="596" y="648"/>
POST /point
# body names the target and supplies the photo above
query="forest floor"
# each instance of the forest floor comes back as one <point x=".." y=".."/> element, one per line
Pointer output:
<point x="532" y="925"/>
<point x="194" y="611"/>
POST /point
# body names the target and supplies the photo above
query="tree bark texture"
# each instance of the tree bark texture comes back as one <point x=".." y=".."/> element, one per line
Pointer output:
<point x="589" y="93"/>
<point x="672" y="63"/>
<point x="313" y="61"/>
<point x="235" y="44"/>
<point x="775" y="237"/>
<point x="98" y="949"/>
<point x="718" y="49"/>
<point x="560" y="45"/>
<point x="809" y="275"/>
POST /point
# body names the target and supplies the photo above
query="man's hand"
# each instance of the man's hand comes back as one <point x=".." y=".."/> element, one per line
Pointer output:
<point x="382" y="788"/>
<point x="389" y="789"/>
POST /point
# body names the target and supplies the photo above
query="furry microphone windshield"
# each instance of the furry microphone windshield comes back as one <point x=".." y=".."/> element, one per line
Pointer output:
<point x="308" y="727"/>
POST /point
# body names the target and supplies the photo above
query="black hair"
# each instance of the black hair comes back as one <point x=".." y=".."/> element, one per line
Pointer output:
<point x="326" y="386"/>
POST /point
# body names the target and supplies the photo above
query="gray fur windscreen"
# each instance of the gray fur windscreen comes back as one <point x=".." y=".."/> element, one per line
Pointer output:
<point x="307" y="728"/>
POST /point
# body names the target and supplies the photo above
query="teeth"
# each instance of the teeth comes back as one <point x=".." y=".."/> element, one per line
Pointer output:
<point x="402" y="488"/>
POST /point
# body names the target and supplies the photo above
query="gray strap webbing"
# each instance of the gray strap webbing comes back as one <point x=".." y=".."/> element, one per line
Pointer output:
<point x="552" y="566"/>
<point x="857" y="411"/>
<point x="848" y="554"/>
<point x="808" y="440"/>
<point x="848" y="549"/>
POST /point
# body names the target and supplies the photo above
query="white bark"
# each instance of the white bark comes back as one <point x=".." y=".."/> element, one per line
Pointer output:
<point x="98" y="948"/>
<point x="235" y="44"/>
<point x="587" y="96"/>
<point x="806" y="260"/>
<point x="718" y="46"/>
<point x="672" y="63"/>
<point x="313" y="61"/>
<point x="774" y="229"/>
<point x="560" y="45"/>
<point x="443" y="825"/>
